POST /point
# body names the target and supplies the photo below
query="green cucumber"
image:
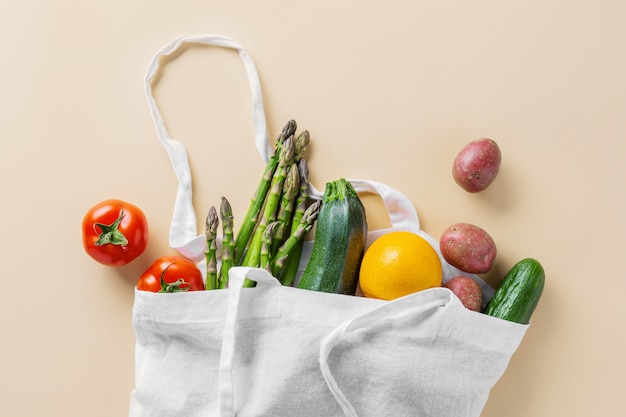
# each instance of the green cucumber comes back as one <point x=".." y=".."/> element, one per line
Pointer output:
<point x="339" y="243"/>
<point x="516" y="298"/>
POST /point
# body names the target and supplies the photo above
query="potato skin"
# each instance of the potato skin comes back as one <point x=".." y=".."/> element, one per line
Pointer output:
<point x="468" y="248"/>
<point x="477" y="164"/>
<point x="467" y="290"/>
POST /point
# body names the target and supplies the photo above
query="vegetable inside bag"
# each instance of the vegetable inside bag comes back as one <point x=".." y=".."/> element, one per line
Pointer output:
<point x="278" y="351"/>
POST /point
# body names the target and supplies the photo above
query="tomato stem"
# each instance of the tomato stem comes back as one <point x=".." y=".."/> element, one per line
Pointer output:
<point x="176" y="286"/>
<point x="110" y="233"/>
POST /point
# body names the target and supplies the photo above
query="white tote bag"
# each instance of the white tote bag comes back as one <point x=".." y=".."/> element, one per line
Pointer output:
<point x="275" y="351"/>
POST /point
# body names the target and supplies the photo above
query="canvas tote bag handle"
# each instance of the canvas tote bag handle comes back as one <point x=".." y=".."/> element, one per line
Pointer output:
<point x="183" y="231"/>
<point x="402" y="310"/>
<point x="402" y="215"/>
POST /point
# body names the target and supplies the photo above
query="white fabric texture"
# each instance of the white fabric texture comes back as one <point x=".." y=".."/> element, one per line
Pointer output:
<point x="280" y="351"/>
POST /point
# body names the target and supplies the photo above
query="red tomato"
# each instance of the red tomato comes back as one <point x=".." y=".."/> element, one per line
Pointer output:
<point x="171" y="274"/>
<point x="114" y="232"/>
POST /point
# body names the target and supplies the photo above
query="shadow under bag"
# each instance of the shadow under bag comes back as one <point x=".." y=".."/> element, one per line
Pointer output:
<point x="278" y="351"/>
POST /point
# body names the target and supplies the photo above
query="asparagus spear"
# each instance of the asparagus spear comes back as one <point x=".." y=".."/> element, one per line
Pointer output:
<point x="303" y="194"/>
<point x="252" y="255"/>
<point x="290" y="268"/>
<point x="291" y="188"/>
<point x="288" y="130"/>
<point x="228" y="243"/>
<point x="256" y="204"/>
<point x="266" y="243"/>
<point x="212" y="222"/>
<point x="300" y="145"/>
<point x="306" y="223"/>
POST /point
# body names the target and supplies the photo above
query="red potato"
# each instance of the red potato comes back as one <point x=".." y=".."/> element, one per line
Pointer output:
<point x="468" y="248"/>
<point x="477" y="165"/>
<point x="468" y="291"/>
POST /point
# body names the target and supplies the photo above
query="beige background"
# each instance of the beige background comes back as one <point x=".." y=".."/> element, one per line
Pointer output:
<point x="389" y="91"/>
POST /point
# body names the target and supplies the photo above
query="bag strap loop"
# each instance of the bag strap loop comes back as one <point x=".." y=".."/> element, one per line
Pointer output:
<point x="393" y="314"/>
<point x="183" y="231"/>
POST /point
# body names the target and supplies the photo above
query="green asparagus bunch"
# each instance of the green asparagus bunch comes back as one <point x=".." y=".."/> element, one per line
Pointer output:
<point x="290" y="269"/>
<point x="279" y="216"/>
<point x="254" y="210"/>
<point x="251" y="257"/>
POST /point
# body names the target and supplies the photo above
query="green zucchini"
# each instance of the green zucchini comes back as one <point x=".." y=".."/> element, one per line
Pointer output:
<point x="339" y="243"/>
<point x="516" y="298"/>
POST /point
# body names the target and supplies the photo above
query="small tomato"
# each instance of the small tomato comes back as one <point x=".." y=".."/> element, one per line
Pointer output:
<point x="171" y="274"/>
<point x="114" y="232"/>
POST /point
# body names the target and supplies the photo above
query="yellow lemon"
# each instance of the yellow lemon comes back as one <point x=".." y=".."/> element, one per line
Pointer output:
<point x="397" y="264"/>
